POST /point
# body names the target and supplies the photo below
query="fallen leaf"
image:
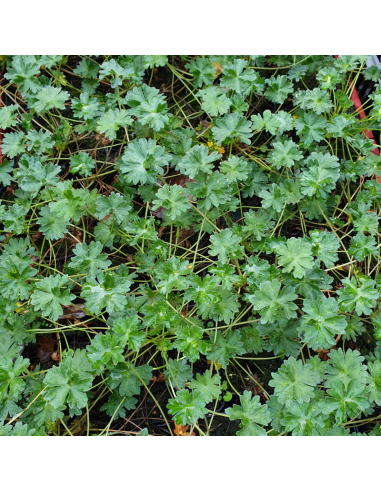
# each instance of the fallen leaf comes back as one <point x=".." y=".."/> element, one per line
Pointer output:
<point x="73" y="311"/>
<point x="56" y="356"/>
<point x="204" y="125"/>
<point x="102" y="139"/>
<point x="182" y="430"/>
<point x="158" y="379"/>
<point x="36" y="235"/>
<point x="218" y="68"/>
<point x="160" y="231"/>
<point x="323" y="353"/>
<point x="45" y="348"/>
<point x="183" y="235"/>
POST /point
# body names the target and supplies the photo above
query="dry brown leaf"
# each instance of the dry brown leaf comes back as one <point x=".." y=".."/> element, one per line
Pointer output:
<point x="218" y="68"/>
<point x="102" y="139"/>
<point x="36" y="235"/>
<point x="160" y="231"/>
<point x="323" y="353"/>
<point x="158" y="379"/>
<point x="45" y="348"/>
<point x="73" y="311"/>
<point x="56" y="356"/>
<point x="182" y="430"/>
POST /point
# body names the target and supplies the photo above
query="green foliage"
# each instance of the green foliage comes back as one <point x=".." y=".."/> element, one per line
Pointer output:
<point x="321" y="176"/>
<point x="197" y="160"/>
<point x="230" y="128"/>
<point x="110" y="122"/>
<point x="361" y="298"/>
<point x="272" y="302"/>
<point x="69" y="383"/>
<point x="48" y="98"/>
<point x="107" y="292"/>
<point x="178" y="373"/>
<point x="362" y="246"/>
<point x="89" y="260"/>
<point x="285" y="154"/>
<point x="82" y="163"/>
<point x="325" y="246"/>
<point x="295" y="256"/>
<point x="224" y="348"/>
<point x="7" y="116"/>
<point x="49" y="297"/>
<point x="215" y="101"/>
<point x="187" y="407"/>
<point x="345" y="400"/>
<point x="142" y="160"/>
<point x="257" y="223"/>
<point x="173" y="199"/>
<point x="224" y="245"/>
<point x="278" y="88"/>
<point x="202" y="71"/>
<point x="128" y="379"/>
<point x="250" y="413"/>
<point x="320" y="322"/>
<point x="183" y="235"/>
<point x="148" y="106"/>
<point x="106" y="351"/>
<point x="345" y="367"/>
<point x="207" y="386"/>
<point x="294" y="382"/>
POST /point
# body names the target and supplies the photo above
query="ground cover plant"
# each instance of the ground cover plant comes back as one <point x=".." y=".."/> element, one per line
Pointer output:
<point x="189" y="245"/>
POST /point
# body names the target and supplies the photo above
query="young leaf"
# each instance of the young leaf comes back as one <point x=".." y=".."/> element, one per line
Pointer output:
<point x="7" y="116"/>
<point x="197" y="160"/>
<point x="106" y="351"/>
<point x="89" y="259"/>
<point x="345" y="401"/>
<point x="142" y="160"/>
<point x="173" y="199"/>
<point x="178" y="373"/>
<point x="48" y="98"/>
<point x="235" y="169"/>
<point x="149" y="106"/>
<point x="202" y="71"/>
<point x="82" y="163"/>
<point x="325" y="246"/>
<point x="131" y="329"/>
<point x="189" y="341"/>
<point x="272" y="302"/>
<point x="48" y="296"/>
<point x="110" y="122"/>
<point x="215" y="101"/>
<point x="345" y="368"/>
<point x="250" y="413"/>
<point x="294" y="382"/>
<point x="230" y="128"/>
<point x="285" y="154"/>
<point x="320" y="323"/>
<point x="257" y="223"/>
<point x="208" y="386"/>
<point x="129" y="379"/>
<point x="187" y="407"/>
<point x="278" y="89"/>
<point x="362" y="298"/>
<point x="362" y="246"/>
<point x="226" y="245"/>
<point x="222" y="349"/>
<point x="69" y="382"/>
